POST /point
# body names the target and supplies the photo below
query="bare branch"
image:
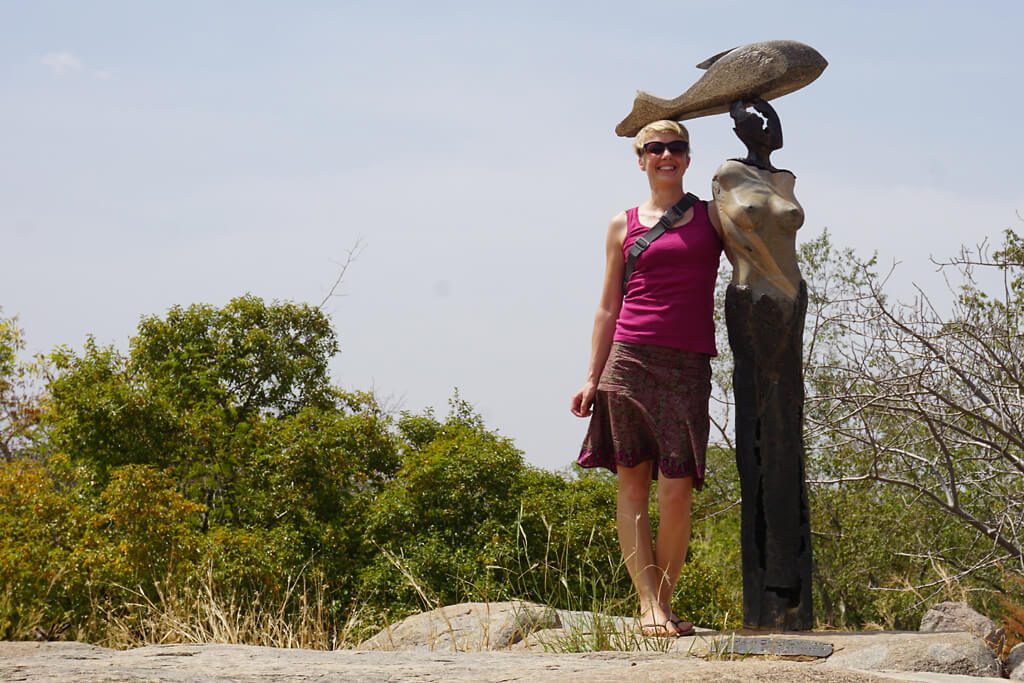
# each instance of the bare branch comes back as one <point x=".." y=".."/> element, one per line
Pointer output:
<point x="350" y="257"/>
<point x="924" y="399"/>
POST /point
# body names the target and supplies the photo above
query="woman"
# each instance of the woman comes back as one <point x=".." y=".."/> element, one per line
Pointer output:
<point x="649" y="378"/>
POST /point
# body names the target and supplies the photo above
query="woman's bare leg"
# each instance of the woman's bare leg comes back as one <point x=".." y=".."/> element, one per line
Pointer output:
<point x="634" y="526"/>
<point x="675" y="498"/>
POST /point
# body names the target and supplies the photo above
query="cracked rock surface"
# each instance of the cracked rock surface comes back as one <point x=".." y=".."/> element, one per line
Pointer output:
<point x="69" y="661"/>
<point x="519" y="641"/>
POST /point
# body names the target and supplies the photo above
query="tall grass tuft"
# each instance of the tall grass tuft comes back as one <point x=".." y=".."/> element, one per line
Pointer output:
<point x="587" y="578"/>
<point x="595" y="602"/>
<point x="301" y="617"/>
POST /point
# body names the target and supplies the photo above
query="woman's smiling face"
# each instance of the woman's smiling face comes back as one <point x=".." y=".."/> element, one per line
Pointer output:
<point x="668" y="166"/>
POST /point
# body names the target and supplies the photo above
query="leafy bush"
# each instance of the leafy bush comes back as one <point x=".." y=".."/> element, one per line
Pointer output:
<point x="143" y="532"/>
<point x="44" y="513"/>
<point x="64" y="548"/>
<point x="442" y="519"/>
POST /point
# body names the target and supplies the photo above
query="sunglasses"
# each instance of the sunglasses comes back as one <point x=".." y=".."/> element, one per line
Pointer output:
<point x="677" y="147"/>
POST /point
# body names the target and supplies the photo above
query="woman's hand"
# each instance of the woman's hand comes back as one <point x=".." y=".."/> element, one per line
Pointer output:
<point x="583" y="401"/>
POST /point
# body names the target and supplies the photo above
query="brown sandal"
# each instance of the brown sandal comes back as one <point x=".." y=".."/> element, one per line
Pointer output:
<point x="658" y="630"/>
<point x="683" y="627"/>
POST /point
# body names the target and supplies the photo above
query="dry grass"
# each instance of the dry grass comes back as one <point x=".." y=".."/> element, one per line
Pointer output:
<point x="303" y="617"/>
<point x="299" y="618"/>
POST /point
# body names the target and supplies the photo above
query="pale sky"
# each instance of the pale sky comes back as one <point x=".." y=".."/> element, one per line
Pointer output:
<point x="167" y="153"/>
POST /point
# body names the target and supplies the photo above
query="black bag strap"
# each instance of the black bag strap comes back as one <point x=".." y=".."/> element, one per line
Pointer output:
<point x="644" y="241"/>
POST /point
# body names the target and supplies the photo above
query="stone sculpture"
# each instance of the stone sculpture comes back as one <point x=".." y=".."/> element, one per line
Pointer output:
<point x="764" y="311"/>
<point x="767" y="70"/>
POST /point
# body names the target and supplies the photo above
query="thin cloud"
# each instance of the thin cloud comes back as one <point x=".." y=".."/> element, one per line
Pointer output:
<point x="61" y="63"/>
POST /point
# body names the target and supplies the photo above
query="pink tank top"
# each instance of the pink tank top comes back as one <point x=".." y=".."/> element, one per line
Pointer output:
<point x="670" y="298"/>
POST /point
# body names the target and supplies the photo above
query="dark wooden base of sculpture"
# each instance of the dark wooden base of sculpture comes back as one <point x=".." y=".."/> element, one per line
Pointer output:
<point x="766" y="342"/>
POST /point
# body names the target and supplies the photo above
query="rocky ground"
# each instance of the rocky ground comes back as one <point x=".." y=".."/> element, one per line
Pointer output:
<point x="527" y="642"/>
<point x="79" y="662"/>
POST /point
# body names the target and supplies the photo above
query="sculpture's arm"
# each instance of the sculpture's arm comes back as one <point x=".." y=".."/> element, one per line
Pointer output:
<point x="737" y="111"/>
<point x="716" y="222"/>
<point x="766" y="135"/>
<point x="773" y="122"/>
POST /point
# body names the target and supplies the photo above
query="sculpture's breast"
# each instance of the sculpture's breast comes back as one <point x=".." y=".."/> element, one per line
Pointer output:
<point x="754" y="199"/>
<point x="785" y="211"/>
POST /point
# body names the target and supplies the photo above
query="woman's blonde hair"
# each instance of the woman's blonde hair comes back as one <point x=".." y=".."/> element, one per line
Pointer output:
<point x="663" y="126"/>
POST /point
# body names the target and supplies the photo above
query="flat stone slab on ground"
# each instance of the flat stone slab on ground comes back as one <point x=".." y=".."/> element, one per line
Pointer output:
<point x="779" y="646"/>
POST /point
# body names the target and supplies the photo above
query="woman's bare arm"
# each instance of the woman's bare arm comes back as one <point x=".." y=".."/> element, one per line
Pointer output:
<point x="604" y="319"/>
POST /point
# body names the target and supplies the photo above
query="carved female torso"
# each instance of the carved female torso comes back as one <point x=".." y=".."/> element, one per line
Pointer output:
<point x="759" y="216"/>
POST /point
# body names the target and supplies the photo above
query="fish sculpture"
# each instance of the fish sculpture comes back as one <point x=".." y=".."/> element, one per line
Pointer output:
<point x="768" y="70"/>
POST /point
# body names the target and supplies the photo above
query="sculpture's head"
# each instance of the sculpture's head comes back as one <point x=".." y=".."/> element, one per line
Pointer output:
<point x="751" y="130"/>
<point x="652" y="129"/>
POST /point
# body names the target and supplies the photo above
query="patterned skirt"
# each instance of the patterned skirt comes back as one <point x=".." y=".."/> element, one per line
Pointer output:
<point x="651" y="404"/>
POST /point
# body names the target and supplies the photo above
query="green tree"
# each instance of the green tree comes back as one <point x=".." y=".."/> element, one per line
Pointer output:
<point x="236" y="406"/>
<point x="446" y="515"/>
<point x="19" y="397"/>
<point x="195" y="386"/>
<point x="312" y="477"/>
